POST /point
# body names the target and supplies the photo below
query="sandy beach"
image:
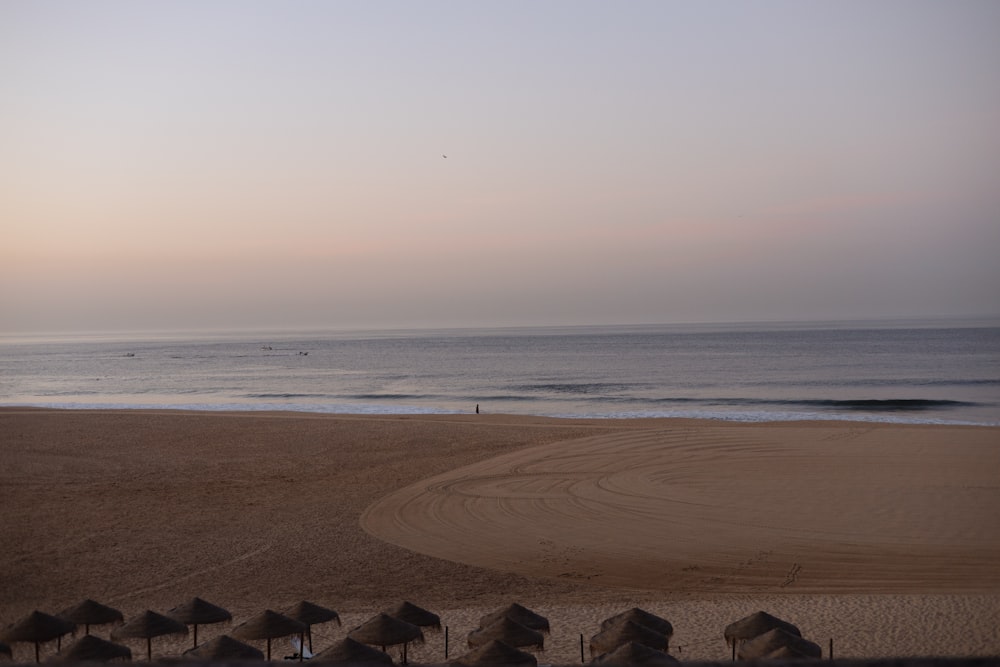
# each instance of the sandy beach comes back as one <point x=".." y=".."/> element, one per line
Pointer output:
<point x="884" y="538"/>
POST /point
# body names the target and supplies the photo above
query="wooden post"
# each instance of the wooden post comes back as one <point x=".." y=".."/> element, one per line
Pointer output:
<point x="734" y="649"/>
<point x="831" y="648"/>
<point x="446" y="642"/>
<point x="581" y="649"/>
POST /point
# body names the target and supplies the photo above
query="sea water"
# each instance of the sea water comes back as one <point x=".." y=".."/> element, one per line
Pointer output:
<point x="910" y="372"/>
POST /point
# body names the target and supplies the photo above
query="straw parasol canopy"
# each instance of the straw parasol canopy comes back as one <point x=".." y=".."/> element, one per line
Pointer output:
<point x="642" y="617"/>
<point x="383" y="630"/>
<point x="311" y="614"/>
<point x="89" y="613"/>
<point x="626" y="631"/>
<point x="94" y="649"/>
<point x="786" y="653"/>
<point x="37" y="628"/>
<point x="197" y="612"/>
<point x="149" y="625"/>
<point x="269" y="625"/>
<point x="774" y="640"/>
<point x="224" y="647"/>
<point x="496" y="653"/>
<point x="353" y="652"/>
<point x="510" y="632"/>
<point x="411" y="613"/>
<point x="522" y="615"/>
<point x="756" y="624"/>
<point x="633" y="654"/>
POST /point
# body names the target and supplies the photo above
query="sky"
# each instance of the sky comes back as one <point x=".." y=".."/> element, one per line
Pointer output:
<point x="371" y="164"/>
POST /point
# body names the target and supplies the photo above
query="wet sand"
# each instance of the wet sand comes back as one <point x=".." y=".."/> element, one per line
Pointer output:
<point x="884" y="538"/>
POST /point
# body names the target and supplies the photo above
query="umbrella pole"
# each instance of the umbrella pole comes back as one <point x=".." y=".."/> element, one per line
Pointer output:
<point x="268" y="648"/>
<point x="196" y="635"/>
<point x="404" y="653"/>
<point x="309" y="631"/>
<point x="302" y="644"/>
<point x="36" y="653"/>
<point x="149" y="649"/>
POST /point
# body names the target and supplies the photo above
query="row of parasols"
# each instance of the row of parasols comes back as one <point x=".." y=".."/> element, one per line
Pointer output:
<point x="504" y="637"/>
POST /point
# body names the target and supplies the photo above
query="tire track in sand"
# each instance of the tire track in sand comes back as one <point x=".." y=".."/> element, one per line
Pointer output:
<point x="812" y="508"/>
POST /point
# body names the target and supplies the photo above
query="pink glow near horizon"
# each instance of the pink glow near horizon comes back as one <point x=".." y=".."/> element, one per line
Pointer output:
<point x="254" y="164"/>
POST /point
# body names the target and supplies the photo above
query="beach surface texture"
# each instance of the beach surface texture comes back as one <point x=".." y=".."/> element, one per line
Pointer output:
<point x="882" y="538"/>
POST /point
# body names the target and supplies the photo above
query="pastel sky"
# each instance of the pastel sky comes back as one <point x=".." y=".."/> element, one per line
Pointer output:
<point x="230" y="164"/>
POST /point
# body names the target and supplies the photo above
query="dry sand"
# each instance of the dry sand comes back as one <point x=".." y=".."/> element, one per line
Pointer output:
<point x="884" y="538"/>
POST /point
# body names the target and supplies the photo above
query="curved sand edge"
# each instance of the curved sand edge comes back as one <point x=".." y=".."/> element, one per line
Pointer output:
<point x="705" y="509"/>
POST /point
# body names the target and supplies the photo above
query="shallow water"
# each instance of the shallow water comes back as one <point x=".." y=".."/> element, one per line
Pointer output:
<point x="912" y="372"/>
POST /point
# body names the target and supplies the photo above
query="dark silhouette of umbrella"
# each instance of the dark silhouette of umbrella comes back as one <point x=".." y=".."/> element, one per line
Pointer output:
<point x="632" y="654"/>
<point x="353" y="652"/>
<point x="197" y="612"/>
<point x="37" y="628"/>
<point x="642" y="617"/>
<point x="775" y="640"/>
<point x="311" y="614"/>
<point x="508" y="631"/>
<point x="755" y="624"/>
<point x="269" y="625"/>
<point x="411" y="613"/>
<point x="148" y="625"/>
<point x="89" y="613"/>
<point x="94" y="649"/>
<point x="522" y="615"/>
<point x="626" y="631"/>
<point x="496" y="653"/>
<point x="383" y="630"/>
<point x="224" y="647"/>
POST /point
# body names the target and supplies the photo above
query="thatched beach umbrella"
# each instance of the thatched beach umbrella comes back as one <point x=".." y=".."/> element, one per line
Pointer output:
<point x="755" y="624"/>
<point x="37" y="628"/>
<point x="352" y="652"/>
<point x="149" y="625"/>
<point x="224" y="647"/>
<point x="269" y="625"/>
<point x="197" y="612"/>
<point x="775" y="640"/>
<point x="522" y="615"/>
<point x="94" y="649"/>
<point x="642" y="617"/>
<point x="383" y="630"/>
<point x="632" y="654"/>
<point x="509" y="632"/>
<point x="626" y="631"/>
<point x="496" y="653"/>
<point x="311" y="614"/>
<point x="89" y="613"/>
<point x="411" y="613"/>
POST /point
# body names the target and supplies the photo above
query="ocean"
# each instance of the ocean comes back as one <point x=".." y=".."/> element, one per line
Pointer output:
<point x="906" y="372"/>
